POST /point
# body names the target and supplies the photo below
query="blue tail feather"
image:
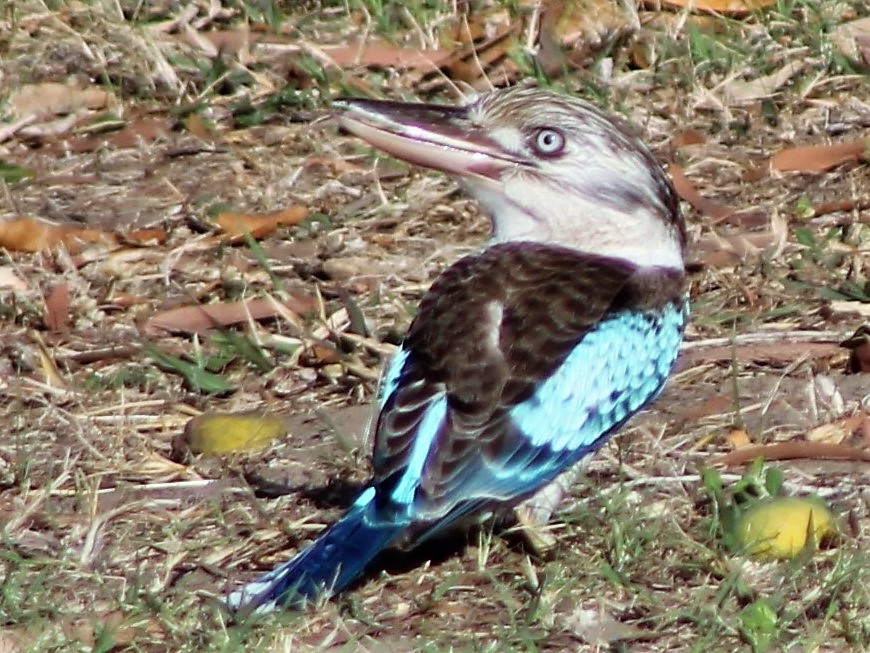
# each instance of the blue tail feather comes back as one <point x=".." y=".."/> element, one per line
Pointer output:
<point x="328" y="566"/>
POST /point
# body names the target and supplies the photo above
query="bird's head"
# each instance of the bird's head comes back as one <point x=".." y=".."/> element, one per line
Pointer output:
<point x="548" y="168"/>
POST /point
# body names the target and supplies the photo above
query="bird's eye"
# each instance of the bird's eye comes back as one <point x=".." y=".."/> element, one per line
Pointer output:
<point x="549" y="142"/>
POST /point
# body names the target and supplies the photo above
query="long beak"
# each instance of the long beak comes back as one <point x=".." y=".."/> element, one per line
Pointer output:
<point x="433" y="136"/>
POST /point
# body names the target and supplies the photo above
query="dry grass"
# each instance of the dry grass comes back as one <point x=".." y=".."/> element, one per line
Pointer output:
<point x="108" y="544"/>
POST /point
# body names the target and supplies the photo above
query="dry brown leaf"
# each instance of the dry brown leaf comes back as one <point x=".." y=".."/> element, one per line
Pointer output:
<point x="54" y="98"/>
<point x="33" y="235"/>
<point x="819" y="158"/>
<point x="17" y="640"/>
<point x="738" y="438"/>
<point x="715" y="251"/>
<point x="201" y="319"/>
<point x="688" y="137"/>
<point x="147" y="237"/>
<point x="236" y="224"/>
<point x="731" y="7"/>
<point x="57" y="307"/>
<point x="687" y="191"/>
<point x="852" y="39"/>
<point x="719" y="212"/>
<point x="855" y="204"/>
<point x="323" y="354"/>
<point x="226" y="42"/>
<point x="136" y="134"/>
<point x="792" y="450"/>
<point x="838" y="430"/>
<point x="739" y="92"/>
<point x="380" y="54"/>
<point x="9" y="279"/>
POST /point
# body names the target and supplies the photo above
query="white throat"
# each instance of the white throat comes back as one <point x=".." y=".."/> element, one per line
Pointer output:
<point x="635" y="235"/>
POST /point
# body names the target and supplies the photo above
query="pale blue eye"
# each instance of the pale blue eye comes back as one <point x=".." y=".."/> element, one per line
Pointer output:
<point x="549" y="141"/>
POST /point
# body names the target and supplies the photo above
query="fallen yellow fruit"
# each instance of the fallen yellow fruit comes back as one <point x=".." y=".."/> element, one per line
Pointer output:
<point x="782" y="527"/>
<point x="227" y="433"/>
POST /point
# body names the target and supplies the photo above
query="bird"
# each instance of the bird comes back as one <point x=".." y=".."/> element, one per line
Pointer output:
<point x="524" y="357"/>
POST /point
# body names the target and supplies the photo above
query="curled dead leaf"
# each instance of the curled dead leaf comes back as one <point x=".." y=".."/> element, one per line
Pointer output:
<point x="793" y="450"/>
<point x="201" y="319"/>
<point x="730" y="7"/>
<point x="819" y="158"/>
<point x="236" y="224"/>
<point x="34" y="235"/>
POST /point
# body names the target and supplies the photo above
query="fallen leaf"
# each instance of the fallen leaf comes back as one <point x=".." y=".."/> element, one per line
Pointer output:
<point x="380" y="54"/>
<point x="136" y="134"/>
<point x="320" y="354"/>
<point x="146" y="237"/>
<point x="738" y="92"/>
<point x="54" y="98"/>
<point x="819" y="158"/>
<point x="57" y="307"/>
<point x="837" y="431"/>
<point x="854" y="205"/>
<point x="738" y="438"/>
<point x="195" y="376"/>
<point x="791" y="451"/>
<point x="719" y="212"/>
<point x="852" y="39"/>
<point x="33" y="235"/>
<point x="688" y="137"/>
<point x="201" y="319"/>
<point x="731" y="7"/>
<point x="9" y="280"/>
<point x="717" y="251"/>
<point x="687" y="191"/>
<point x="236" y="225"/>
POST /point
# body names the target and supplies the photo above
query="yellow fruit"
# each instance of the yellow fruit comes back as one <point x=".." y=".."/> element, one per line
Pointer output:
<point x="226" y="433"/>
<point x="782" y="527"/>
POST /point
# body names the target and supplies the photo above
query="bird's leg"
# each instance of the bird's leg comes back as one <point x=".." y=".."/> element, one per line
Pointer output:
<point x="533" y="514"/>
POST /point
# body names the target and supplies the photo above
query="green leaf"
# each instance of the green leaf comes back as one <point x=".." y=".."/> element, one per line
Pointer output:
<point x="195" y="377"/>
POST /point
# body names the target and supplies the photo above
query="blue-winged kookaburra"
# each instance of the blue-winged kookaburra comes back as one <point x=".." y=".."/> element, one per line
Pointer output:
<point x="526" y="356"/>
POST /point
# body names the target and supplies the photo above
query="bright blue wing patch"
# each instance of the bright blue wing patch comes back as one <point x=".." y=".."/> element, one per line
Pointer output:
<point x="390" y="379"/>
<point x="430" y="425"/>
<point x="617" y="368"/>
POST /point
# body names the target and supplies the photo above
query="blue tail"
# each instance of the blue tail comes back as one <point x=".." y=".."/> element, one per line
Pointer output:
<point x="334" y="561"/>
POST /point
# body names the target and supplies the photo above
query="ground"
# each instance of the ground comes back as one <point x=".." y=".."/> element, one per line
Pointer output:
<point x="143" y="132"/>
